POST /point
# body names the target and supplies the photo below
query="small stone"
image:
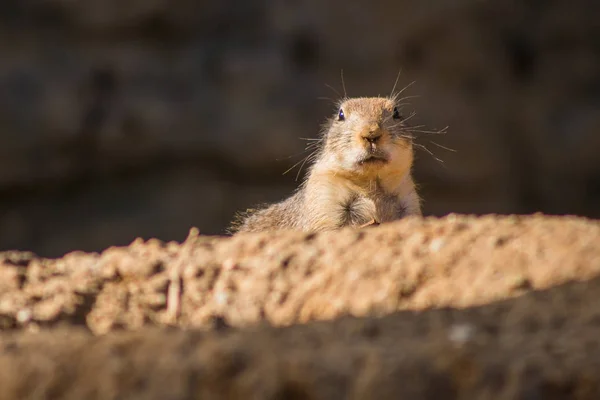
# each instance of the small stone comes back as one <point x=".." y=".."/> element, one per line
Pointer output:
<point x="461" y="333"/>
<point x="436" y="244"/>
<point x="24" y="315"/>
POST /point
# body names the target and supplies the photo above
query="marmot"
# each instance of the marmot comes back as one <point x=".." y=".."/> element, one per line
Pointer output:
<point x="361" y="174"/>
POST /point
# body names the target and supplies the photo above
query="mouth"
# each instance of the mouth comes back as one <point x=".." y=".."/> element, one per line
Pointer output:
<point x="372" y="160"/>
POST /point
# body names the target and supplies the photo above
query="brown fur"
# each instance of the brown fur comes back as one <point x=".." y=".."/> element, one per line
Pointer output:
<point x="341" y="188"/>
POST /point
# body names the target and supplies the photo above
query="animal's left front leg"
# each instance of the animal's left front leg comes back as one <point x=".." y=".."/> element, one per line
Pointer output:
<point x="372" y="222"/>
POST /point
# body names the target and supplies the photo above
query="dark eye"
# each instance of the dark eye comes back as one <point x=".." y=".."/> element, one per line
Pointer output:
<point x="396" y="114"/>
<point x="341" y="115"/>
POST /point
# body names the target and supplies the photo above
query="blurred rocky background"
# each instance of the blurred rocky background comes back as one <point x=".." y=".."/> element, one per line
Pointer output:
<point x="131" y="118"/>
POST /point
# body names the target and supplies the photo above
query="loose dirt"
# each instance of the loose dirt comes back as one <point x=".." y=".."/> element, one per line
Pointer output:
<point x="458" y="307"/>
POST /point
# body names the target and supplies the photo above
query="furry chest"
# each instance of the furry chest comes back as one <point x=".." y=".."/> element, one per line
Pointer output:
<point x="358" y="210"/>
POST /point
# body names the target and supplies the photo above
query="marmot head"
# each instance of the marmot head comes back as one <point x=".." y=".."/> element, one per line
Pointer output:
<point x="367" y="137"/>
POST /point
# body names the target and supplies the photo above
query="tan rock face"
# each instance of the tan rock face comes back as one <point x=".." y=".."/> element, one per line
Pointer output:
<point x="142" y="118"/>
<point x="459" y="307"/>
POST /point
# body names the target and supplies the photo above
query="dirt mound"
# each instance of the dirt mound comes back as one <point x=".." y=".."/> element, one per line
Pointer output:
<point x="434" y="308"/>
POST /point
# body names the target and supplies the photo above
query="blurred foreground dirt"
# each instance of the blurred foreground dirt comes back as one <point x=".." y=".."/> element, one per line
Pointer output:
<point x="458" y="307"/>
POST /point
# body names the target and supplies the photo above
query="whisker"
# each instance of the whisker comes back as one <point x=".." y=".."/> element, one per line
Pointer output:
<point x="415" y="127"/>
<point x="325" y="98"/>
<point x="416" y="96"/>
<point x="295" y="165"/>
<point x="422" y="126"/>
<point x="305" y="160"/>
<point x="426" y="132"/>
<point x="443" y="147"/>
<point x="309" y="158"/>
<point x="395" y="97"/>
<point x="396" y="82"/>
<point x="293" y="155"/>
<point x="410" y="116"/>
<point x="403" y="121"/>
<point x="430" y="153"/>
<point x="313" y="142"/>
<point x="408" y="137"/>
<point x="332" y="88"/>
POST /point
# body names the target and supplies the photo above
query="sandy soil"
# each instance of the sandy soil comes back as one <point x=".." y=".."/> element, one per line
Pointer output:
<point x="458" y="307"/>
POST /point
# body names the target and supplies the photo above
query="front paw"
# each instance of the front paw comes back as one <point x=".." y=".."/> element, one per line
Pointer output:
<point x="372" y="222"/>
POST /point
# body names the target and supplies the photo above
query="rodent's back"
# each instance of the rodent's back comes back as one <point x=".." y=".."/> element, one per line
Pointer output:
<point x="278" y="216"/>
